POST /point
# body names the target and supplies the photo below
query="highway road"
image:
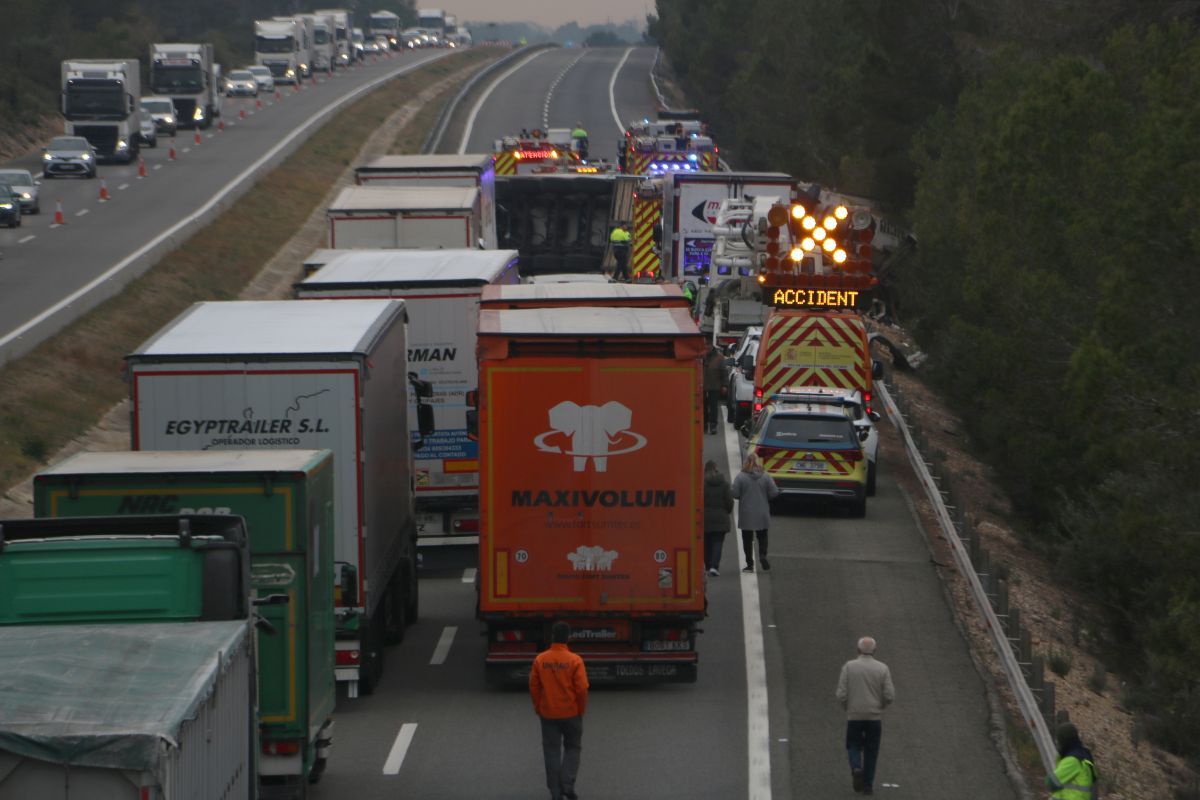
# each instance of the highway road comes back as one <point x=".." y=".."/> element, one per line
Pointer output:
<point x="763" y="725"/>
<point x="46" y="265"/>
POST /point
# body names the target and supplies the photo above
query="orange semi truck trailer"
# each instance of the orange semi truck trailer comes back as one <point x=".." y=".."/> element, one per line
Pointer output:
<point x="591" y="499"/>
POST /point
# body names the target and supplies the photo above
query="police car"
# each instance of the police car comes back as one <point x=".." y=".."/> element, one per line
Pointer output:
<point x="813" y="449"/>
<point x="864" y="418"/>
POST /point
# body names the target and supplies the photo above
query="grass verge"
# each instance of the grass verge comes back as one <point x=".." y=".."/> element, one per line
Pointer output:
<point x="61" y="388"/>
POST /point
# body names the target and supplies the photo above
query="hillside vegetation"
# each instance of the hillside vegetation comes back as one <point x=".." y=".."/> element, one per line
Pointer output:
<point x="1045" y="155"/>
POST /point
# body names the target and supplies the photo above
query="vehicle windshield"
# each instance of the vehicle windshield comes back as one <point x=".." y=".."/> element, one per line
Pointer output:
<point x="21" y="178"/>
<point x="171" y="79"/>
<point x="274" y="44"/>
<point x="799" y="432"/>
<point x="158" y="106"/>
<point x="68" y="143"/>
<point x="95" y="100"/>
<point x="321" y="36"/>
<point x="259" y="71"/>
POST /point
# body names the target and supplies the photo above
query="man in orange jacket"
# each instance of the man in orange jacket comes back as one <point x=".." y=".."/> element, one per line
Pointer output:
<point x="558" y="685"/>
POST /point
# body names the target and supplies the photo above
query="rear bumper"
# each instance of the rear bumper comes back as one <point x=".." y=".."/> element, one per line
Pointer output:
<point x="605" y="667"/>
<point x="808" y="487"/>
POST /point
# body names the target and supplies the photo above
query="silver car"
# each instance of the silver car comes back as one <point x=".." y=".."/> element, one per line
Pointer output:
<point x="69" y="155"/>
<point x="264" y="78"/>
<point x="148" y="133"/>
<point x="241" y="83"/>
<point x="26" y="188"/>
<point x="162" y="110"/>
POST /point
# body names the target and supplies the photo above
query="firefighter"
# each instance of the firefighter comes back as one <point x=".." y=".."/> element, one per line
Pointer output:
<point x="621" y="241"/>
<point x="579" y="138"/>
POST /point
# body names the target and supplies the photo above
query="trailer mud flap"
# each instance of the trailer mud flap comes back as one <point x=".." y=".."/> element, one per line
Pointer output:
<point x="603" y="672"/>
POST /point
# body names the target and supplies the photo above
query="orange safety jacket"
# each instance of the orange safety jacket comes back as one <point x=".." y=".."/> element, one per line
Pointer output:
<point x="558" y="683"/>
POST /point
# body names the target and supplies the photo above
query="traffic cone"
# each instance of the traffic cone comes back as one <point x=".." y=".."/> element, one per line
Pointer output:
<point x="103" y="191"/>
<point x="296" y="85"/>
<point x="278" y="96"/>
<point x="221" y="124"/>
<point x="171" y="152"/>
<point x="258" y="102"/>
<point x="141" y="167"/>
<point x="242" y="113"/>
<point x="196" y="138"/>
<point x="58" y="215"/>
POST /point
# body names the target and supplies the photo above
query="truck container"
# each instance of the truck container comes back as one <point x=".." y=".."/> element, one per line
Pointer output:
<point x="277" y="46"/>
<point x="433" y="22"/>
<point x="324" y="42"/>
<point x="286" y="498"/>
<point x="470" y="169"/>
<point x="286" y="375"/>
<point x="384" y="23"/>
<point x="589" y="425"/>
<point x="127" y="658"/>
<point x="583" y="293"/>
<point x="421" y="217"/>
<point x="441" y="291"/>
<point x="101" y="101"/>
<point x="341" y="33"/>
<point x="187" y="74"/>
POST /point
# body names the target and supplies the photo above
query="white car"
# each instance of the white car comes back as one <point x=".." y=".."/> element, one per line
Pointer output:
<point x="864" y="421"/>
<point x="264" y="78"/>
<point x="739" y="388"/>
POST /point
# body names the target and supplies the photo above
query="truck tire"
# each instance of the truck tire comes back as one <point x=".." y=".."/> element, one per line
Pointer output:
<point x="394" y="610"/>
<point x="412" y="599"/>
<point x="371" y="671"/>
<point x="222" y="590"/>
<point x="871" y="479"/>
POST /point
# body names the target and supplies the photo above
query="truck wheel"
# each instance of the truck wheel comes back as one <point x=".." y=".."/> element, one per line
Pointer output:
<point x="412" y="602"/>
<point x="871" y="479"/>
<point x="371" y="671"/>
<point x="394" y="614"/>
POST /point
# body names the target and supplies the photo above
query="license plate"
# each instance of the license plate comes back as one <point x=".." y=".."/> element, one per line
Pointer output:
<point x="657" y="645"/>
<point x="808" y="466"/>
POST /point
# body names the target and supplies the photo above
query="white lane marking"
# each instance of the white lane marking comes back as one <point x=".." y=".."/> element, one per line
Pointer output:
<point x="758" y="729"/>
<point x="468" y="575"/>
<point x="612" y="98"/>
<point x="466" y="137"/>
<point x="554" y="85"/>
<point x="26" y="239"/>
<point x="81" y="212"/>
<point x="443" y="646"/>
<point x="54" y="225"/>
<point x="399" y="748"/>
<point x="158" y="166"/>
<point x="120" y="266"/>
<point x="123" y="186"/>
<point x="187" y="149"/>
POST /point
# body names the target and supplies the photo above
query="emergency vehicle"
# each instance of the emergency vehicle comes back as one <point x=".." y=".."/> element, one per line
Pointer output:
<point x="536" y="151"/>
<point x="675" y="142"/>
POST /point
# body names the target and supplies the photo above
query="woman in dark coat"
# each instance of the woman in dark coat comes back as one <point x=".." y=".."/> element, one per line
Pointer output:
<point x="718" y="503"/>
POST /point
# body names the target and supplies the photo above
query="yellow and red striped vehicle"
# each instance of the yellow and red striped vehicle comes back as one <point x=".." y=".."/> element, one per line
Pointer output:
<point x="812" y="450"/>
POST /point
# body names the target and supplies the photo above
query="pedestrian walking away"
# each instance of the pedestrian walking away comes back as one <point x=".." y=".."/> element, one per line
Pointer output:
<point x="714" y="381"/>
<point x="558" y="685"/>
<point x="864" y="689"/>
<point x="621" y="241"/>
<point x="1074" y="776"/>
<point x="718" y="502"/>
<point x="755" y="490"/>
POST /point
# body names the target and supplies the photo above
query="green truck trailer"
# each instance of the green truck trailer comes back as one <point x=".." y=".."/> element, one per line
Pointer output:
<point x="127" y="667"/>
<point x="286" y="498"/>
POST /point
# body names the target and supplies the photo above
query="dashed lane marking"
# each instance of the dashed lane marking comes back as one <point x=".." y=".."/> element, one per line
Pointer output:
<point x="443" y="646"/>
<point x="81" y="212"/>
<point x="468" y="575"/>
<point x="26" y="239"/>
<point x="399" y="748"/>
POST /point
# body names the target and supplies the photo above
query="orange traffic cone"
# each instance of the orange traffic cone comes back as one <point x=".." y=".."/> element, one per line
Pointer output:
<point x="196" y="138"/>
<point x="278" y="96"/>
<point x="171" y="152"/>
<point x="242" y="113"/>
<point x="221" y="124"/>
<point x="141" y="167"/>
<point x="258" y="102"/>
<point x="58" y="215"/>
<point x="103" y="191"/>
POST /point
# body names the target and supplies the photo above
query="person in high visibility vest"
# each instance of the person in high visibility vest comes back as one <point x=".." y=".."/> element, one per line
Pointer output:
<point x="1074" y="776"/>
<point x="621" y="241"/>
<point x="579" y="137"/>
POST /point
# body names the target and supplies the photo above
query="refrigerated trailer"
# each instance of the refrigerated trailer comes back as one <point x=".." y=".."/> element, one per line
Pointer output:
<point x="421" y="217"/>
<point x="327" y="374"/>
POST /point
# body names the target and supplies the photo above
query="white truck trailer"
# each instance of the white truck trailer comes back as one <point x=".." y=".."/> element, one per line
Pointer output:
<point x="441" y="290"/>
<point x="304" y="37"/>
<point x="186" y="73"/>
<point x="465" y="169"/>
<point x="324" y="48"/>
<point x="422" y="217"/>
<point x="322" y="374"/>
<point x="277" y="47"/>
<point x="101" y="101"/>
<point x="384" y="23"/>
<point x="341" y="33"/>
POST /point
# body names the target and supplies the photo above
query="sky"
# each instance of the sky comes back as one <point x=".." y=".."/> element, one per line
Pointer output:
<point x="550" y="14"/>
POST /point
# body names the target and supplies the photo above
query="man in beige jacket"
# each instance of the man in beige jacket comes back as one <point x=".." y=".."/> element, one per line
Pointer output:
<point x="864" y="689"/>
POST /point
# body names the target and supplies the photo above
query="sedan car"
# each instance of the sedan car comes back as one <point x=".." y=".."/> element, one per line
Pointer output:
<point x="162" y="111"/>
<point x="147" y="133"/>
<point x="262" y="76"/>
<point x="26" y="188"/>
<point x="242" y="83"/>
<point x="69" y="155"/>
<point x="10" y="207"/>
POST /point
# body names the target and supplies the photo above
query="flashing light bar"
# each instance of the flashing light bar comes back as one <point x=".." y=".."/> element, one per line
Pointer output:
<point x="672" y="166"/>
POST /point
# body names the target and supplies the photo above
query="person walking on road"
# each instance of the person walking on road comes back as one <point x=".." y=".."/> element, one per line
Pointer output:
<point x="864" y="689"/>
<point x="621" y="241"/>
<point x="579" y="138"/>
<point x="714" y="379"/>
<point x="755" y="489"/>
<point x="1074" y="776"/>
<point x="718" y="502"/>
<point x="558" y="685"/>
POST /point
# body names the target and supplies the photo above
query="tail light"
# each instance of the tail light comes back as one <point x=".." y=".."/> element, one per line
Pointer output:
<point x="517" y="635"/>
<point x="851" y="455"/>
<point x="763" y="452"/>
<point x="867" y="401"/>
<point x="287" y="747"/>
<point x="466" y="526"/>
<point x="757" y="407"/>
<point x="347" y="658"/>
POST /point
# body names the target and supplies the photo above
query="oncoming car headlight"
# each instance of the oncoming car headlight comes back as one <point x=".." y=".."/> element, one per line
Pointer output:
<point x="198" y="114"/>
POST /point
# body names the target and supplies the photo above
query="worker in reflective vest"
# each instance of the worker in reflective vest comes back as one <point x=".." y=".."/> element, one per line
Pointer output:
<point x="579" y="136"/>
<point x="621" y="241"/>
<point x="1074" y="777"/>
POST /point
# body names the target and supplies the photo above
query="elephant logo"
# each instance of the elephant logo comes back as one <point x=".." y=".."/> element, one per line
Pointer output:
<point x="592" y="559"/>
<point x="594" y="434"/>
